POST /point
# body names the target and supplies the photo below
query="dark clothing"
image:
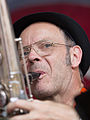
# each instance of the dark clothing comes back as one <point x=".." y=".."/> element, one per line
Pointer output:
<point x="83" y="105"/>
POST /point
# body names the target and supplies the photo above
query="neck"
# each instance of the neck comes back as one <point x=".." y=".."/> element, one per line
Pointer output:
<point x="73" y="89"/>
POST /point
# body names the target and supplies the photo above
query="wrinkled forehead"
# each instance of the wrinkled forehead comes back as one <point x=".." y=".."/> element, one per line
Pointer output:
<point x="42" y="30"/>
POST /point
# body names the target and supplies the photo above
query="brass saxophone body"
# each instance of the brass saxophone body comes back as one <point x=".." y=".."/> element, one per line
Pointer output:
<point x="11" y="79"/>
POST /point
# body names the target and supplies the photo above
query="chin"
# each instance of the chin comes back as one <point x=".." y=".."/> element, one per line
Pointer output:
<point x="42" y="89"/>
<point x="43" y="94"/>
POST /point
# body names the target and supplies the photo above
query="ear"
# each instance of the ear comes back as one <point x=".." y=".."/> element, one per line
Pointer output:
<point x="76" y="56"/>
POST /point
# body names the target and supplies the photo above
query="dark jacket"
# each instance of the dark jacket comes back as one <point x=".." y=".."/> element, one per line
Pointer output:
<point x="83" y="105"/>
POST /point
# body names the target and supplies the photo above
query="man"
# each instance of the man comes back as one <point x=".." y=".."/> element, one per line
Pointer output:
<point x="56" y="47"/>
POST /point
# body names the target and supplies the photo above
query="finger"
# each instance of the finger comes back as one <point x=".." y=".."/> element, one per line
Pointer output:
<point x="21" y="117"/>
<point x="21" y="104"/>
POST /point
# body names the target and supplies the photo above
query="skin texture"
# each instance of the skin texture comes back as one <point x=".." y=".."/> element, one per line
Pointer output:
<point x="60" y="82"/>
<point x="43" y="110"/>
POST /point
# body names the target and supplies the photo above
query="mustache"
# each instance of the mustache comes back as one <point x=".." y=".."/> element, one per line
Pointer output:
<point x="37" y="66"/>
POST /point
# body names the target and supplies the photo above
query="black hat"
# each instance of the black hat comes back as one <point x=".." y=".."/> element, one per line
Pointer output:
<point x="64" y="22"/>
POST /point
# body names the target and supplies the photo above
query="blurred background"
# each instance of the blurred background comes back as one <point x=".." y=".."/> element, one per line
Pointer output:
<point x="79" y="10"/>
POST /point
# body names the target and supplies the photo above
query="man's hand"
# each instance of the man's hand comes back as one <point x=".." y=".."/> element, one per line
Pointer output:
<point x="43" y="110"/>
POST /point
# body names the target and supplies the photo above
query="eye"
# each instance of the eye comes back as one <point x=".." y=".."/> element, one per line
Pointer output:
<point x="26" y="50"/>
<point x="26" y="53"/>
<point x="47" y="45"/>
<point x="44" y="45"/>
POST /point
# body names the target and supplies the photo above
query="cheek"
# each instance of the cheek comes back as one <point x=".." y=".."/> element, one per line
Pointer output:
<point x="58" y="63"/>
<point x="58" y="66"/>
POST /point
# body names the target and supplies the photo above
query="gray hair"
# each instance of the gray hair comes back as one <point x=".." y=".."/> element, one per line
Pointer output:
<point x="69" y="40"/>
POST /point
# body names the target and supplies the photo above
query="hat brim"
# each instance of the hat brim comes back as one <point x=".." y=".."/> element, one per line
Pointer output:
<point x="64" y="22"/>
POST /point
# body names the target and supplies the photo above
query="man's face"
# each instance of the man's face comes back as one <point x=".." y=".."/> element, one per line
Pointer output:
<point x="55" y="73"/>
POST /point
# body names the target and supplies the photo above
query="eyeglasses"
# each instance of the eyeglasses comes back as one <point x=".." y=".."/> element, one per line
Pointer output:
<point x="43" y="48"/>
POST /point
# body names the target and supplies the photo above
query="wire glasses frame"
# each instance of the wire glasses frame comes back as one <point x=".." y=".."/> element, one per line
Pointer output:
<point x="43" y="48"/>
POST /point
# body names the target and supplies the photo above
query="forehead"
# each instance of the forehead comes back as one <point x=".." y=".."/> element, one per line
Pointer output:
<point x="42" y="30"/>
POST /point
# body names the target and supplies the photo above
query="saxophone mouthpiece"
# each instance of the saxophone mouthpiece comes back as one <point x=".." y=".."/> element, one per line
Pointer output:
<point x="33" y="76"/>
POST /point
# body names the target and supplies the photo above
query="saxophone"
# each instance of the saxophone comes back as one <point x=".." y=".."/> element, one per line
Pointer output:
<point x="12" y="82"/>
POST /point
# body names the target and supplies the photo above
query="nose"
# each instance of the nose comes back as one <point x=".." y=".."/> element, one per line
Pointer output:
<point x="33" y="56"/>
